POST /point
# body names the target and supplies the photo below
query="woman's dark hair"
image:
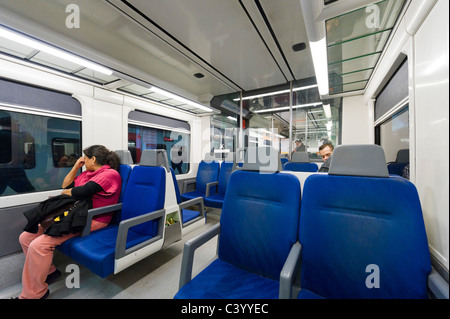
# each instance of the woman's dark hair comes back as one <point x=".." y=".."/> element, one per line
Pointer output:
<point x="103" y="156"/>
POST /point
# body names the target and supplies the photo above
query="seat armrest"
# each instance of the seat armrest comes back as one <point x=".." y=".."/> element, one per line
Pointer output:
<point x="208" y="187"/>
<point x="437" y="285"/>
<point x="194" y="201"/>
<point x="95" y="212"/>
<point x="127" y="224"/>
<point x="186" y="183"/>
<point x="188" y="253"/>
<point x="290" y="269"/>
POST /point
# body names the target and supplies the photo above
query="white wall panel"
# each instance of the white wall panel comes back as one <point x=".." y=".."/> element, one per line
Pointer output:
<point x="357" y="121"/>
<point x="431" y="59"/>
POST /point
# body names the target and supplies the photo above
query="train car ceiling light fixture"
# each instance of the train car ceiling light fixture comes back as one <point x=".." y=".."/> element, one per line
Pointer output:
<point x="180" y="99"/>
<point x="38" y="45"/>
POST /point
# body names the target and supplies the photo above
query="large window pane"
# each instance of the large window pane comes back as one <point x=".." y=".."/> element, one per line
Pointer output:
<point x="176" y="144"/>
<point x="37" y="151"/>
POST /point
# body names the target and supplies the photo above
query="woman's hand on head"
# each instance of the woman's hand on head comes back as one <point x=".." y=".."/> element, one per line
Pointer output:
<point x="79" y="163"/>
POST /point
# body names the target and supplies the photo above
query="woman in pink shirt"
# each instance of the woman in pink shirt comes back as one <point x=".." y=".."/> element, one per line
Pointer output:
<point x="100" y="181"/>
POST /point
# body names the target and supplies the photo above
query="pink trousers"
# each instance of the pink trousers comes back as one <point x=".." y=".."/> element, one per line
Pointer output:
<point x="38" y="249"/>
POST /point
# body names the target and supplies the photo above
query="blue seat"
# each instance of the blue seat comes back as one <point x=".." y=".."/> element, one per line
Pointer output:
<point x="258" y="228"/>
<point x="187" y="215"/>
<point x="362" y="232"/>
<point x="216" y="200"/>
<point x="124" y="169"/>
<point x="208" y="171"/>
<point x="300" y="163"/>
<point x="141" y="213"/>
<point x="401" y="161"/>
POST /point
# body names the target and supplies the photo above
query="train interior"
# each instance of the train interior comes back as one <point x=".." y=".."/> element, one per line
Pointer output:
<point x="206" y="83"/>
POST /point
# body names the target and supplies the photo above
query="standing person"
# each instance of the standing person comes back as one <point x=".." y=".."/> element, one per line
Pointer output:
<point x="102" y="183"/>
<point x="299" y="146"/>
<point x="325" y="151"/>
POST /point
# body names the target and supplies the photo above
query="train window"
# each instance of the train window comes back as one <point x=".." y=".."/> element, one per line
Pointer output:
<point x="392" y="114"/>
<point x="223" y="134"/>
<point x="175" y="143"/>
<point x="5" y="138"/>
<point x="393" y="134"/>
<point x="151" y="131"/>
<point x="28" y="145"/>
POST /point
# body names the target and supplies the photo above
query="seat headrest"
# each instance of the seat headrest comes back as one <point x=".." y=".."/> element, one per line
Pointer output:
<point x="300" y="157"/>
<point x="230" y="157"/>
<point x="358" y="160"/>
<point x="125" y="157"/>
<point x="262" y="159"/>
<point x="403" y="156"/>
<point x="155" y="158"/>
<point x="210" y="157"/>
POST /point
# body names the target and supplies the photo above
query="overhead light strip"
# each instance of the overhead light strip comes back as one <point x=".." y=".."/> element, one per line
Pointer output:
<point x="277" y="92"/>
<point x="180" y="99"/>
<point x="38" y="45"/>
<point x="285" y="108"/>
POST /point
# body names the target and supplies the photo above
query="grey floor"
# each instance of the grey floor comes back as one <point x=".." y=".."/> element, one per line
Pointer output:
<point x="155" y="277"/>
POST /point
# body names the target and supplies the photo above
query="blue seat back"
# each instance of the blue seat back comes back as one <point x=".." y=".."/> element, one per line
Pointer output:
<point x="226" y="168"/>
<point x="300" y="167"/>
<point x="355" y="230"/>
<point x="207" y="172"/>
<point x="175" y="183"/>
<point x="401" y="161"/>
<point x="259" y="222"/>
<point x="124" y="171"/>
<point x="145" y="192"/>
<point x="300" y="163"/>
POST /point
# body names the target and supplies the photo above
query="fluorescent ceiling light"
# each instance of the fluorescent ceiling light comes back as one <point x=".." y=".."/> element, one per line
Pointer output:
<point x="276" y="92"/>
<point x="285" y="108"/>
<point x="232" y="118"/>
<point x="320" y="61"/>
<point x="327" y="110"/>
<point x="35" y="44"/>
<point x="180" y="99"/>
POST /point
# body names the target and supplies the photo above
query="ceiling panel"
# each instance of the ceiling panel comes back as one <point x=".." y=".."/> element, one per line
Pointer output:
<point x="220" y="33"/>
<point x="108" y="36"/>
<point x="286" y="19"/>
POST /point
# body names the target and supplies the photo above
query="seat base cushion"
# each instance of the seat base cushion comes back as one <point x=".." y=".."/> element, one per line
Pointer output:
<point x="222" y="280"/>
<point x="215" y="200"/>
<point x="188" y="215"/>
<point x="191" y="195"/>
<point x="97" y="250"/>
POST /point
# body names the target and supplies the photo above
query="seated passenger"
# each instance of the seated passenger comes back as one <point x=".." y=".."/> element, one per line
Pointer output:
<point x="325" y="151"/>
<point x="102" y="183"/>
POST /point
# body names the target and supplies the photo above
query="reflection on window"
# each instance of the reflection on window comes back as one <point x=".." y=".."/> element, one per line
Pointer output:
<point x="66" y="151"/>
<point x="28" y="144"/>
<point x="175" y="143"/>
<point x="5" y="138"/>
<point x="394" y="134"/>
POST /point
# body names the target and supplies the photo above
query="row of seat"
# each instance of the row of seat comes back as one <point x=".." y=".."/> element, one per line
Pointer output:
<point x="210" y="183"/>
<point x="355" y="233"/>
<point x="300" y="163"/>
<point x="148" y="218"/>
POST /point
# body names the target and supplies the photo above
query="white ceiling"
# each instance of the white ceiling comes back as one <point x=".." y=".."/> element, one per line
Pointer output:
<point x="238" y="45"/>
